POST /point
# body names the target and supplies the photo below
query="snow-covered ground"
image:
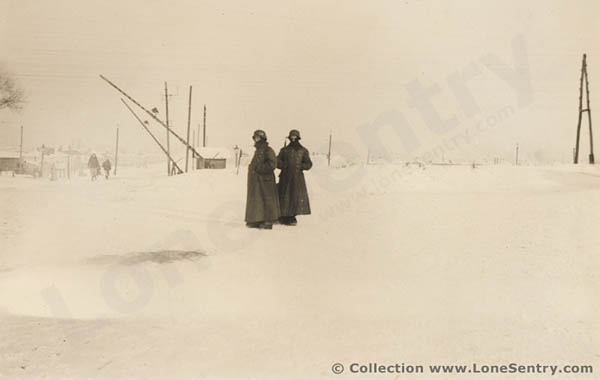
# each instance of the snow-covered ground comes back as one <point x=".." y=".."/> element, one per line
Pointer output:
<point x="144" y="276"/>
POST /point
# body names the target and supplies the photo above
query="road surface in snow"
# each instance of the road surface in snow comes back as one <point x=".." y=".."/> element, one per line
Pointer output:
<point x="144" y="276"/>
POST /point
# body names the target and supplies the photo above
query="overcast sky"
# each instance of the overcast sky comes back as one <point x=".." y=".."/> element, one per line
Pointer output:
<point x="316" y="66"/>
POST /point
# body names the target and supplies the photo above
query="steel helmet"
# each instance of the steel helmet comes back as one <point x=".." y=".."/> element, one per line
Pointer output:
<point x="259" y="133"/>
<point x="294" y="132"/>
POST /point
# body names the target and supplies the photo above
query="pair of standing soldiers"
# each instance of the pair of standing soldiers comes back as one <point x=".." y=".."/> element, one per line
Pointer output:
<point x="268" y="201"/>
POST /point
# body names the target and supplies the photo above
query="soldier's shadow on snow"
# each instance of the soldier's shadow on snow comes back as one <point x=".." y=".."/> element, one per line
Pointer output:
<point x="157" y="257"/>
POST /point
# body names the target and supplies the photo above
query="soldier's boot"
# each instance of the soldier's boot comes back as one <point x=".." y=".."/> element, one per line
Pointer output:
<point x="288" y="220"/>
<point x="266" y="226"/>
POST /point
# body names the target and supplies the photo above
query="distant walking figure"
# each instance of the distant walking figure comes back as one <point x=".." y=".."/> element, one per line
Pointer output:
<point x="293" y="159"/>
<point x="94" y="166"/>
<point x="262" y="202"/>
<point x="106" y="166"/>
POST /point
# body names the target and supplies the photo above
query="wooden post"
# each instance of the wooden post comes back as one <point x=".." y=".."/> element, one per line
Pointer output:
<point x="584" y="75"/>
<point x="204" y="129"/>
<point x="69" y="163"/>
<point x="187" y="148"/>
<point x="329" y="152"/>
<point x="117" y="152"/>
<point x="42" y="161"/>
<point x="21" y="148"/>
<point x="168" y="127"/>
<point x="193" y="154"/>
<point x="589" y="111"/>
<point x="579" y="116"/>
<point x="198" y="136"/>
<point x="517" y="155"/>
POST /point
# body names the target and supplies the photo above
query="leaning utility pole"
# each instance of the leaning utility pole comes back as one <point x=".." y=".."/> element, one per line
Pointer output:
<point x="168" y="127"/>
<point x="153" y="137"/>
<point x="204" y="129"/>
<point x="187" y="150"/>
<point x="153" y="116"/>
<point x="584" y="74"/>
<point x="117" y="151"/>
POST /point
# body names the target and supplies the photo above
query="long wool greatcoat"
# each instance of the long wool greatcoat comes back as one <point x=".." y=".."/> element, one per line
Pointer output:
<point x="262" y="201"/>
<point x="293" y="196"/>
<point x="93" y="162"/>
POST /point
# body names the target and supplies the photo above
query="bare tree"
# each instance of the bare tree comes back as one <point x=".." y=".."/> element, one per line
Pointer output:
<point x="11" y="96"/>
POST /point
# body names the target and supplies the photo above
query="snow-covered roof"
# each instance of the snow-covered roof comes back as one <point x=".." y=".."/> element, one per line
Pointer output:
<point x="214" y="152"/>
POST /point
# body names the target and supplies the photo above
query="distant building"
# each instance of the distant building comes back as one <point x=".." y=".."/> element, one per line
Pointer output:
<point x="10" y="162"/>
<point x="212" y="158"/>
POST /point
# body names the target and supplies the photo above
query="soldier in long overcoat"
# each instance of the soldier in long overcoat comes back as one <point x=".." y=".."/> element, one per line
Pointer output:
<point x="262" y="201"/>
<point x="293" y="160"/>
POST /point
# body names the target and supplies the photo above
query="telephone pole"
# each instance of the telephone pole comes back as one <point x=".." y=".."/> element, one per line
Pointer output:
<point x="21" y="147"/>
<point x="187" y="148"/>
<point x="69" y="163"/>
<point x="168" y="128"/>
<point x="194" y="146"/>
<point x="117" y="151"/>
<point x="329" y="151"/>
<point x="584" y="75"/>
<point x="204" y="129"/>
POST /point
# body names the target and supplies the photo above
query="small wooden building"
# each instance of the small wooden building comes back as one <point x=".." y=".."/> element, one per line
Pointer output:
<point x="9" y="163"/>
<point x="212" y="158"/>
